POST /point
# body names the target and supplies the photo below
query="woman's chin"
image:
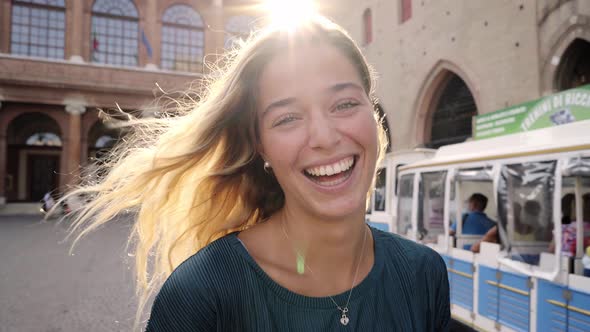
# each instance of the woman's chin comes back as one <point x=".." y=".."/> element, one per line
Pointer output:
<point x="340" y="210"/>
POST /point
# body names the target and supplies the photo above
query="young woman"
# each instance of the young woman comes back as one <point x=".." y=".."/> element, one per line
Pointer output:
<point x="252" y="203"/>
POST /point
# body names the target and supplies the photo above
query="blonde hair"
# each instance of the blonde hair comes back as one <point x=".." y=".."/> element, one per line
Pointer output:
<point x="194" y="177"/>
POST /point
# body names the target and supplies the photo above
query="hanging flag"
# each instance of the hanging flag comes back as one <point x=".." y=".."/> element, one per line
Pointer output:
<point x="146" y="43"/>
<point x="94" y="46"/>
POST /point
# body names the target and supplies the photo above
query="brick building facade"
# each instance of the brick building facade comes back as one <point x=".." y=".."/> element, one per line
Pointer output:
<point x="439" y="63"/>
<point x="63" y="60"/>
<point x="442" y="61"/>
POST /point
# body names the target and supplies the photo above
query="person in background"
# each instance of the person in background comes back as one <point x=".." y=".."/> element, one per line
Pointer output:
<point x="524" y="226"/>
<point x="48" y="202"/>
<point x="569" y="230"/>
<point x="491" y="236"/>
<point x="475" y="222"/>
<point x="523" y="230"/>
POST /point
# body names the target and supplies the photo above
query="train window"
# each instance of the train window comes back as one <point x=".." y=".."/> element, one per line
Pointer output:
<point x="569" y="215"/>
<point x="380" y="190"/>
<point x="404" y="204"/>
<point x="396" y="176"/>
<point x="478" y="205"/>
<point x="474" y="174"/>
<point x="431" y="206"/>
<point x="525" y="209"/>
<point x="452" y="203"/>
<point x="577" y="166"/>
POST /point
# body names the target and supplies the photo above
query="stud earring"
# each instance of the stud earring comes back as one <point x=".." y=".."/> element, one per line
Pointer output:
<point x="266" y="166"/>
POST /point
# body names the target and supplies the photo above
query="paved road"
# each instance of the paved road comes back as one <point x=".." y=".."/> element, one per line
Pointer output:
<point x="43" y="289"/>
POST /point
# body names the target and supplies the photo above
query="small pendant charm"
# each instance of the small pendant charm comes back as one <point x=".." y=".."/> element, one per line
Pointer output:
<point x="344" y="320"/>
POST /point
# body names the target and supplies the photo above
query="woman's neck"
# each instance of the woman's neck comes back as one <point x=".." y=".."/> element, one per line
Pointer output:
<point x="329" y="248"/>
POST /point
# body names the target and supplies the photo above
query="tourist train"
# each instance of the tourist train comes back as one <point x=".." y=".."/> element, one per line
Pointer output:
<point x="532" y="162"/>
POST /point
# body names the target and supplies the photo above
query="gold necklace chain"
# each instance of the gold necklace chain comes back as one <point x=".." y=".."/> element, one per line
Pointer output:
<point x="301" y="261"/>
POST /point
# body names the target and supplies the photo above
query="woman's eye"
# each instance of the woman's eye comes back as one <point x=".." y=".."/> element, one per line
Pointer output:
<point x="346" y="105"/>
<point x="284" y="120"/>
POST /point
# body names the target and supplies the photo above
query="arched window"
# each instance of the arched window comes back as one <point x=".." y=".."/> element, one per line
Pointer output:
<point x="406" y="10"/>
<point x="367" y="27"/>
<point x="115" y="34"/>
<point x="38" y="28"/>
<point x="104" y="141"/>
<point x="183" y="39"/>
<point x="238" y="28"/>
<point x="101" y="139"/>
<point x="44" y="139"/>
<point x="451" y="121"/>
<point x="574" y="67"/>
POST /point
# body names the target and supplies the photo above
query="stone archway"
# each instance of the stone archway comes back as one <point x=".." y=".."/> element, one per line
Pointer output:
<point x="33" y="154"/>
<point x="574" y="68"/>
<point x="445" y="106"/>
<point x="100" y="139"/>
<point x="563" y="42"/>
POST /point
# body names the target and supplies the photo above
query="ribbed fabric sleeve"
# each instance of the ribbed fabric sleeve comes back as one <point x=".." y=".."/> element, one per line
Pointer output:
<point x="221" y="288"/>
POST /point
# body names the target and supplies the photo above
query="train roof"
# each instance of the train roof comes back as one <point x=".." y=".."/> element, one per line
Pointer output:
<point x="568" y="137"/>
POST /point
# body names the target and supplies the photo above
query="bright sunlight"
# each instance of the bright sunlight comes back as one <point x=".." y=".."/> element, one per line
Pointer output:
<point x="288" y="14"/>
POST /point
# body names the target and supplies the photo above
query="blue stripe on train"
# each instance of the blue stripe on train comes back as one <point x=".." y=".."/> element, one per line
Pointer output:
<point x="461" y="285"/>
<point x="552" y="311"/>
<point x="501" y="300"/>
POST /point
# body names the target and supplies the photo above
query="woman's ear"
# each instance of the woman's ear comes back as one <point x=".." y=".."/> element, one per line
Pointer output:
<point x="260" y="151"/>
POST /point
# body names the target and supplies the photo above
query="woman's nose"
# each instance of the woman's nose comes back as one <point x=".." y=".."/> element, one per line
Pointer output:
<point x="323" y="131"/>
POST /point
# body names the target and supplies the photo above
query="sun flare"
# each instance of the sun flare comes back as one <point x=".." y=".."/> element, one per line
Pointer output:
<point x="288" y="14"/>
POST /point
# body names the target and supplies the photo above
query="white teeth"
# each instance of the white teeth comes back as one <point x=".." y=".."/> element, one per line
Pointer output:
<point x="330" y="169"/>
<point x="335" y="168"/>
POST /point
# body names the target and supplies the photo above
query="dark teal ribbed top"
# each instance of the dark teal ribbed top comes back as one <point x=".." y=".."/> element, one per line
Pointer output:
<point x="222" y="288"/>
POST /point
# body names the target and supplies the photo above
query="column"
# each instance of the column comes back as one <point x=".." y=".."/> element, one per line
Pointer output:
<point x="151" y="28"/>
<point x="72" y="147"/>
<point x="3" y="161"/>
<point x="74" y="30"/>
<point x="215" y="36"/>
<point x="5" y="14"/>
<point x="219" y="39"/>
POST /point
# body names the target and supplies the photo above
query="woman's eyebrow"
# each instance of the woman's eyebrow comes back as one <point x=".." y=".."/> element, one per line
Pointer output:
<point x="288" y="101"/>
<point x="277" y="104"/>
<point x="345" y="85"/>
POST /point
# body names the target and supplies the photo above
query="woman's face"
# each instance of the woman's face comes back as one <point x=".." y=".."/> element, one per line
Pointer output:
<point x="317" y="130"/>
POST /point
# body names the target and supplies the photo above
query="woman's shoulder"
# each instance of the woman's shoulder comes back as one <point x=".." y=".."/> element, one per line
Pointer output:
<point x="207" y="267"/>
<point x="401" y="251"/>
<point x="190" y="297"/>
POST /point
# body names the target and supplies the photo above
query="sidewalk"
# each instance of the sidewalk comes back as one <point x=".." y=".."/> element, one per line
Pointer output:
<point x="20" y="209"/>
<point x="45" y="289"/>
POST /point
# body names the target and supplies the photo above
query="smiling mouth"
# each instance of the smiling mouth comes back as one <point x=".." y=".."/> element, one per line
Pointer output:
<point x="333" y="174"/>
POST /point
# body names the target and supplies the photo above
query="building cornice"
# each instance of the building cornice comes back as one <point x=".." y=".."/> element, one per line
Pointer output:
<point x="75" y="109"/>
<point x="26" y="79"/>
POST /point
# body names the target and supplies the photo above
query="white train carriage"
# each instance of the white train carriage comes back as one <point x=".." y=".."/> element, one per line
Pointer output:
<point x="381" y="212"/>
<point x="533" y="180"/>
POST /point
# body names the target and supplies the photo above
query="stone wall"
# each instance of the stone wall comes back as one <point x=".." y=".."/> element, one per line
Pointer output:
<point x="501" y="49"/>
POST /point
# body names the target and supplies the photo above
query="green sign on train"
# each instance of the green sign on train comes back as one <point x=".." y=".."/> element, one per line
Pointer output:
<point x="560" y="108"/>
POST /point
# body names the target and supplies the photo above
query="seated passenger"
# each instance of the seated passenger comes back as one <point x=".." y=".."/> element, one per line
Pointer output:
<point x="524" y="229"/>
<point x="490" y="236"/>
<point x="569" y="230"/>
<point x="475" y="222"/>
